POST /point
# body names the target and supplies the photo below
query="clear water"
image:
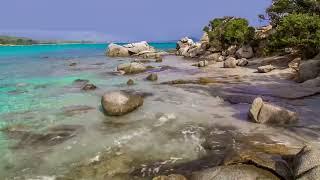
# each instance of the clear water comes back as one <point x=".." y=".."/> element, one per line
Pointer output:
<point x="37" y="89"/>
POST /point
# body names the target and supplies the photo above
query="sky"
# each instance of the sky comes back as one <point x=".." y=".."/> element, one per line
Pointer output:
<point x="119" y="20"/>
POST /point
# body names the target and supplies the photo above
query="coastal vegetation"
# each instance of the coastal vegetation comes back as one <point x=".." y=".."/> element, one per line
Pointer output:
<point x="295" y="25"/>
<point x="227" y="31"/>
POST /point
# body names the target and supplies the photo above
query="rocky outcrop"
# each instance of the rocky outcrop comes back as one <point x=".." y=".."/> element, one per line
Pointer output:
<point x="140" y="49"/>
<point x="120" y="103"/>
<point x="265" y="113"/>
<point x="309" y="70"/>
<point x="245" y="51"/>
<point x="131" y="68"/>
<point x="183" y="46"/>
<point x="266" y="69"/>
<point x="230" y="63"/>
<point x="115" y="50"/>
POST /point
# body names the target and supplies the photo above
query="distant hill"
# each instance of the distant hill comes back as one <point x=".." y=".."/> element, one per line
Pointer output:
<point x="10" y="40"/>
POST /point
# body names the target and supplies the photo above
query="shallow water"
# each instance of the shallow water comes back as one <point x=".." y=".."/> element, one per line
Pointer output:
<point x="38" y="93"/>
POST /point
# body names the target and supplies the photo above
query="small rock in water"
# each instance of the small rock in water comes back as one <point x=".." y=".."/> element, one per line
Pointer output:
<point x="80" y="82"/>
<point x="221" y="59"/>
<point x="88" y="87"/>
<point x="265" y="69"/>
<point x="152" y="77"/>
<point x="130" y="82"/>
<point x="265" y="113"/>
<point x="73" y="64"/>
<point x="120" y="103"/>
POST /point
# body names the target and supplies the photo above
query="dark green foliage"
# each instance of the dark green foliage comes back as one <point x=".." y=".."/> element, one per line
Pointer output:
<point x="281" y="8"/>
<point x="227" y="31"/>
<point x="298" y="31"/>
<point x="8" y="40"/>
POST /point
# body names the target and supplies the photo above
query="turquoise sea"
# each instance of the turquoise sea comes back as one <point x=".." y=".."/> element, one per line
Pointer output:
<point x="37" y="86"/>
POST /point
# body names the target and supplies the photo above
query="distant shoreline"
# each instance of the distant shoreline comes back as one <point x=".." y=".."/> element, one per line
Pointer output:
<point x="54" y="44"/>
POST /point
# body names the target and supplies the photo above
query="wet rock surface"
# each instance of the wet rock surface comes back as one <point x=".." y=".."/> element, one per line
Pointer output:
<point x="131" y="68"/>
<point x="119" y="103"/>
<point x="52" y="136"/>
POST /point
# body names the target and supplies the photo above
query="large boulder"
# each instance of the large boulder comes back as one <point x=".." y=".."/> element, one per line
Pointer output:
<point x="230" y="63"/>
<point x="245" y="51"/>
<point x="135" y="48"/>
<point x="183" y="45"/>
<point x="309" y="70"/>
<point x="265" y="113"/>
<point x="242" y="62"/>
<point x="120" y="103"/>
<point x="233" y="172"/>
<point x="306" y="160"/>
<point x="131" y="68"/>
<point x="115" y="50"/>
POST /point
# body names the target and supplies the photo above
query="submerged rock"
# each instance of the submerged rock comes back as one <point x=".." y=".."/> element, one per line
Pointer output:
<point x="75" y="110"/>
<point x="152" y="77"/>
<point x="120" y="103"/>
<point x="80" y="82"/>
<point x="233" y="172"/>
<point x="52" y="136"/>
<point x="266" y="69"/>
<point x="89" y="87"/>
<point x="130" y="82"/>
<point x="131" y="68"/>
<point x="265" y="113"/>
<point x="230" y="63"/>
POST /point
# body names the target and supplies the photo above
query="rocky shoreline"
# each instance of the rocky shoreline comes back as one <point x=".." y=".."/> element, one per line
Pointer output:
<point x="241" y="72"/>
<point x="280" y="121"/>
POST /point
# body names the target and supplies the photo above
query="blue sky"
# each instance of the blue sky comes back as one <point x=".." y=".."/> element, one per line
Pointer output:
<point x="119" y="20"/>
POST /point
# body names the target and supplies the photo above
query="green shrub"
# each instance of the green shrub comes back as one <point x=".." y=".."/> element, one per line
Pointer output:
<point x="227" y="31"/>
<point x="298" y="31"/>
<point x="280" y="8"/>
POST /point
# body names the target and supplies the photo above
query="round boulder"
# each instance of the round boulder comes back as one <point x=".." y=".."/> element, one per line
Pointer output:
<point x="230" y="63"/>
<point x="120" y="103"/>
<point x="131" y="68"/>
